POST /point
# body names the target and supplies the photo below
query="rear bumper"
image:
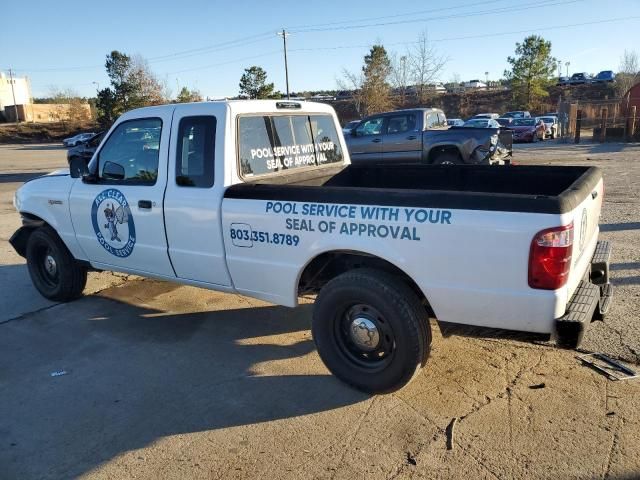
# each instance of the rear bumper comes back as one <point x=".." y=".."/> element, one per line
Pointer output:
<point x="590" y="301"/>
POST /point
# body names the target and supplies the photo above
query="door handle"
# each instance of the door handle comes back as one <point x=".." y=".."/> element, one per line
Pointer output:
<point x="376" y="140"/>
<point x="412" y="137"/>
<point x="144" y="204"/>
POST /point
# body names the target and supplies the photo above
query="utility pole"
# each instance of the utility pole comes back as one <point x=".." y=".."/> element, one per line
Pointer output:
<point x="284" y="34"/>
<point x="559" y="68"/>
<point x="13" y="92"/>
<point x="566" y="64"/>
<point x="486" y="79"/>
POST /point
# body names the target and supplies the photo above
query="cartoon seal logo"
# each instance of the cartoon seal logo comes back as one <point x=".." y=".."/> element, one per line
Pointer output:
<point x="113" y="223"/>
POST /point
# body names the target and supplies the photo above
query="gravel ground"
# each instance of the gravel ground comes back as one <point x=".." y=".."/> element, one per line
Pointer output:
<point x="168" y="381"/>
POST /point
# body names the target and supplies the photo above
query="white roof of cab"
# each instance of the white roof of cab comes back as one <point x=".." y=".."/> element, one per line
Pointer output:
<point x="235" y="107"/>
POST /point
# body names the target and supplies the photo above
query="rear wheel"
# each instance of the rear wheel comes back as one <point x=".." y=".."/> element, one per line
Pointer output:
<point x="448" y="158"/>
<point x="53" y="270"/>
<point x="371" y="330"/>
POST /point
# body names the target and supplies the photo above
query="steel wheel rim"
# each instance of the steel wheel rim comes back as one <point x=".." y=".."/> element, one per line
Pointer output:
<point x="47" y="266"/>
<point x="376" y="347"/>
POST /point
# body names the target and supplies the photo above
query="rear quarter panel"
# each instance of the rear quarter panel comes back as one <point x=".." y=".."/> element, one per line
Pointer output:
<point x="472" y="265"/>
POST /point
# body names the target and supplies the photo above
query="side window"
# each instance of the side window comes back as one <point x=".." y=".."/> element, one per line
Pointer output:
<point x="326" y="140"/>
<point x="195" y="152"/>
<point x="373" y="126"/>
<point x="432" y="120"/>
<point x="401" y="123"/>
<point x="131" y="152"/>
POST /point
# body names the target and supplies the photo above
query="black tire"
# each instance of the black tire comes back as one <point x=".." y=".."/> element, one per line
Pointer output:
<point x="60" y="281"/>
<point x="448" y="158"/>
<point x="401" y="327"/>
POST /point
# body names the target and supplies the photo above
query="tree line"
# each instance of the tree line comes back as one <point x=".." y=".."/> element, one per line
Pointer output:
<point x="381" y="83"/>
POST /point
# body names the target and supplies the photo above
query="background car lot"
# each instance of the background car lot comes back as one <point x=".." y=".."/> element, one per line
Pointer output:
<point x="174" y="382"/>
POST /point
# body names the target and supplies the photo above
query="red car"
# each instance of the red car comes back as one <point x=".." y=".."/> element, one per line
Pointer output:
<point x="527" y="130"/>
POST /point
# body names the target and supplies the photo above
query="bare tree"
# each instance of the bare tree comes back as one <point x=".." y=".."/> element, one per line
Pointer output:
<point x="628" y="72"/>
<point x="426" y="64"/>
<point x="400" y="75"/>
<point x="69" y="106"/>
<point x="353" y="82"/>
<point x="150" y="90"/>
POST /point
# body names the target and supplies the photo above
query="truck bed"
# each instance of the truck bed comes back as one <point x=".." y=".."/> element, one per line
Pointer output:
<point x="535" y="189"/>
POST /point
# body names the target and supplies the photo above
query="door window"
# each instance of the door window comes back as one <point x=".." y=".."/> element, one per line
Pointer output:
<point x="130" y="155"/>
<point x="196" y="151"/>
<point x="373" y="126"/>
<point x="401" y="123"/>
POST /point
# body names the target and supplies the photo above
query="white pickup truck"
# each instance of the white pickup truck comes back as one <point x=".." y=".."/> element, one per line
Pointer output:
<point x="259" y="198"/>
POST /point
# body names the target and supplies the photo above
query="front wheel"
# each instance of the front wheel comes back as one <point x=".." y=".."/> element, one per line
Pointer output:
<point x="53" y="270"/>
<point x="371" y="330"/>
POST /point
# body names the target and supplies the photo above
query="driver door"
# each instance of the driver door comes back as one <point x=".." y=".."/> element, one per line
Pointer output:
<point x="117" y="213"/>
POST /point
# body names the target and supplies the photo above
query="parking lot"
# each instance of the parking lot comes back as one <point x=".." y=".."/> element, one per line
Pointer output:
<point x="168" y="381"/>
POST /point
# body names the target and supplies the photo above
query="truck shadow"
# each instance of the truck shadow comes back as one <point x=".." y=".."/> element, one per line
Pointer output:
<point x="618" y="227"/>
<point x="20" y="177"/>
<point x="137" y="374"/>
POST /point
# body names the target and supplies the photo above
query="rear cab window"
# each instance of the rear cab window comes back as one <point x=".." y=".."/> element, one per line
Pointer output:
<point x="268" y="144"/>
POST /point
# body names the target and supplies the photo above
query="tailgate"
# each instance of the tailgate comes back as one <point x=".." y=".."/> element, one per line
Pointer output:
<point x="585" y="233"/>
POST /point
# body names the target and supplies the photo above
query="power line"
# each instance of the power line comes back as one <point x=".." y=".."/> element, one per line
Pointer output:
<point x="235" y="60"/>
<point x="470" y="37"/>
<point x="543" y="3"/>
<point x="419" y="12"/>
<point x="243" y="41"/>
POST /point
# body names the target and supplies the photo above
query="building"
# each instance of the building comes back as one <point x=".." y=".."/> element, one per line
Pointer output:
<point x="20" y="87"/>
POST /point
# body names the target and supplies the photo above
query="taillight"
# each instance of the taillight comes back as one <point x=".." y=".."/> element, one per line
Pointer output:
<point x="550" y="257"/>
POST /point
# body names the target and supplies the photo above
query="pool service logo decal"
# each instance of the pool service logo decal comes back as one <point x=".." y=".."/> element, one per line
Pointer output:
<point x="113" y="223"/>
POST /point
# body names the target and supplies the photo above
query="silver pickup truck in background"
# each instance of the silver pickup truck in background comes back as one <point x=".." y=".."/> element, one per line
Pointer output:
<point x="422" y="136"/>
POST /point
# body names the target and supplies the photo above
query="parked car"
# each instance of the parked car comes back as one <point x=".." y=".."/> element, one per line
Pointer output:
<point x="504" y="122"/>
<point x="321" y="97"/>
<point x="481" y="123"/>
<point x="350" y="126"/>
<point x="421" y="135"/>
<point x="344" y="95"/>
<point x="383" y="247"/>
<point x="86" y="149"/>
<point x="580" y="78"/>
<point x="551" y="125"/>
<point x="517" y="114"/>
<point x="486" y="115"/>
<point x="475" y="85"/>
<point x="75" y="140"/>
<point x="604" y="77"/>
<point x="527" y="130"/>
<point x="563" y="81"/>
<point x="455" y="122"/>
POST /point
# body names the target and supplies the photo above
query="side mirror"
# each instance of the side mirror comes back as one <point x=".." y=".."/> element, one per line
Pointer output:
<point x="113" y="171"/>
<point x="78" y="167"/>
<point x="354" y="133"/>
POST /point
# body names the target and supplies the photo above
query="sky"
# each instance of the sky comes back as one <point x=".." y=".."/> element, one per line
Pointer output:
<point x="206" y="45"/>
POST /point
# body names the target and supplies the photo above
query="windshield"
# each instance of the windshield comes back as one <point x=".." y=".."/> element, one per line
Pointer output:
<point x="524" y="122"/>
<point x="547" y="119"/>
<point x="271" y="143"/>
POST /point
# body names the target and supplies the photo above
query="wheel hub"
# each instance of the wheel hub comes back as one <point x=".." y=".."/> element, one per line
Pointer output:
<point x="364" y="334"/>
<point x="50" y="265"/>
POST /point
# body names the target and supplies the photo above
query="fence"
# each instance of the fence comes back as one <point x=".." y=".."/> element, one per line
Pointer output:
<point x="604" y="120"/>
